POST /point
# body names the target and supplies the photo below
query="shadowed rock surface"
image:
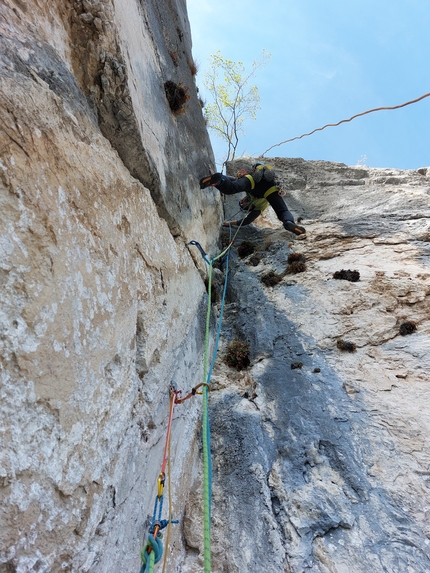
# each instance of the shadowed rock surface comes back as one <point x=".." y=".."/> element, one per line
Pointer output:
<point x="326" y="467"/>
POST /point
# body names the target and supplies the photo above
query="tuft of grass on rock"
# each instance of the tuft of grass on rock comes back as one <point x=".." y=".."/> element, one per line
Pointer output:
<point x="177" y="96"/>
<point x="407" y="327"/>
<point x="346" y="346"/>
<point x="271" y="279"/>
<point x="296" y="267"/>
<point x="347" y="275"/>
<point x="193" y="67"/>
<point x="295" y="365"/>
<point x="296" y="263"/>
<point x="245" y="248"/>
<point x="237" y="355"/>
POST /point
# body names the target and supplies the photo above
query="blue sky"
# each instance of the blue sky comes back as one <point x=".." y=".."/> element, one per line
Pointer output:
<point x="330" y="60"/>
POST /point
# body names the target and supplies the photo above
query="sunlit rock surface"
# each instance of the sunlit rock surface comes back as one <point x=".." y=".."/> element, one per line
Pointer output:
<point x="101" y="299"/>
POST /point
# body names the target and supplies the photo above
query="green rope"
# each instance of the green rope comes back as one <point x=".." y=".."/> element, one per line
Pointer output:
<point x="206" y="496"/>
<point x="148" y="564"/>
<point x="205" y="424"/>
<point x="208" y="319"/>
<point x="206" y="500"/>
<point x="151" y="562"/>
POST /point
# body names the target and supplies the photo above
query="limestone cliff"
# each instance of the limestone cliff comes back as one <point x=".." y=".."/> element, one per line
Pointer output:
<point x="101" y="297"/>
<point x="321" y="458"/>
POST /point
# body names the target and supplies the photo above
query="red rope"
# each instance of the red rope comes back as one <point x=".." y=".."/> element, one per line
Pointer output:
<point x="347" y="120"/>
<point x="169" y="429"/>
<point x="162" y="474"/>
<point x="193" y="392"/>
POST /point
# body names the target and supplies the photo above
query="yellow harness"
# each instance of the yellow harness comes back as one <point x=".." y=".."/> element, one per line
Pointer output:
<point x="259" y="203"/>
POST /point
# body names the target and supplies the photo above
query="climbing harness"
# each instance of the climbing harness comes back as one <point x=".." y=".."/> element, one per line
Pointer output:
<point x="385" y="108"/>
<point x="261" y="172"/>
<point x="249" y="202"/>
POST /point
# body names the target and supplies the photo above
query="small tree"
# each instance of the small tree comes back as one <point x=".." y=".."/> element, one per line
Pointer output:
<point x="234" y="100"/>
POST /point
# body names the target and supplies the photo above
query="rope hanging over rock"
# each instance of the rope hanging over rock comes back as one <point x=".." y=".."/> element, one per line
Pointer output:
<point x="153" y="549"/>
<point x="207" y="372"/>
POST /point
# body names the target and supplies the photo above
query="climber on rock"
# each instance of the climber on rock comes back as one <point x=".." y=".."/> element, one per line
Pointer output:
<point x="261" y="190"/>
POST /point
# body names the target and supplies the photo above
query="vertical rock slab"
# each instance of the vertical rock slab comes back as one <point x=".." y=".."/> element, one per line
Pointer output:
<point x="320" y="456"/>
<point x="101" y="300"/>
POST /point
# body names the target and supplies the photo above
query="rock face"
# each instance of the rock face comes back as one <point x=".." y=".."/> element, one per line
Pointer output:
<point x="101" y="299"/>
<point x="321" y="457"/>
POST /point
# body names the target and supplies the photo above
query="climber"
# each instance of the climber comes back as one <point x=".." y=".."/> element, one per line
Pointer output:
<point x="261" y="190"/>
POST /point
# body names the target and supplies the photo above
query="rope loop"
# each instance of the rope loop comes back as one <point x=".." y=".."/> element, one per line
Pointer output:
<point x="194" y="390"/>
<point x="151" y="553"/>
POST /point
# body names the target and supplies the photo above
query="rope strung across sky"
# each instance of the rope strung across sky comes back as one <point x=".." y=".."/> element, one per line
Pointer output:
<point x="347" y="120"/>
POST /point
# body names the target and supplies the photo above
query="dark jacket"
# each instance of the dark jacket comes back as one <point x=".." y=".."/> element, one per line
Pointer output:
<point x="229" y="186"/>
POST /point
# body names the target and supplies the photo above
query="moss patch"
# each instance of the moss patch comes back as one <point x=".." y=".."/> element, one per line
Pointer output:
<point x="346" y="345"/>
<point x="407" y="327"/>
<point x="347" y="275"/>
<point x="237" y="355"/>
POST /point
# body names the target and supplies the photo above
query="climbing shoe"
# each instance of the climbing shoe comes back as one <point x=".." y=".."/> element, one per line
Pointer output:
<point x="294" y="228"/>
<point x="210" y="180"/>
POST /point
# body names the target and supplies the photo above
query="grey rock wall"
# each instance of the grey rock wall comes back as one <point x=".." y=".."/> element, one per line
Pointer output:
<point x="321" y="456"/>
<point x="322" y="467"/>
<point x="102" y="303"/>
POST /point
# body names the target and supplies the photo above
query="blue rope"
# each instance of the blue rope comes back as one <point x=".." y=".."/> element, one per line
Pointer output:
<point x="225" y="258"/>
<point x="157" y="499"/>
